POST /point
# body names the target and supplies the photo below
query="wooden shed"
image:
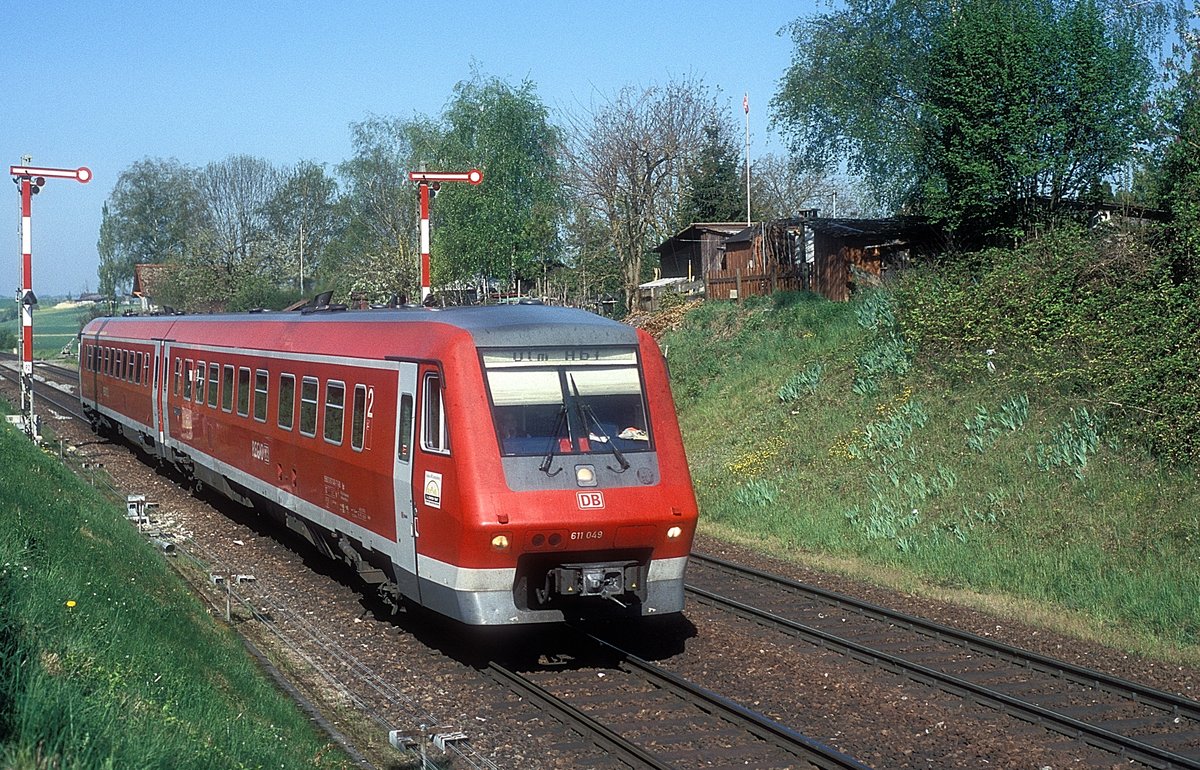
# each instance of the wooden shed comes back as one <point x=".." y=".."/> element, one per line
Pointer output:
<point x="695" y="250"/>
<point x="848" y="252"/>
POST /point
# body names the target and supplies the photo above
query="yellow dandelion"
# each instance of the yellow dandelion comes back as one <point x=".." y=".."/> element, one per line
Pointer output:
<point x="70" y="602"/>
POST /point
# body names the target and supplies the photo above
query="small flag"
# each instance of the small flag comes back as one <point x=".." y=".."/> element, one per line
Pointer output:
<point x="746" y="103"/>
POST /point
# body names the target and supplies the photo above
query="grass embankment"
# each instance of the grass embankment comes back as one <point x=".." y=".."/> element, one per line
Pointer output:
<point x="106" y="659"/>
<point x="817" y="429"/>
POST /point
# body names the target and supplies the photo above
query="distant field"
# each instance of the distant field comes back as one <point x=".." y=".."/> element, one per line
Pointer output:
<point x="53" y="328"/>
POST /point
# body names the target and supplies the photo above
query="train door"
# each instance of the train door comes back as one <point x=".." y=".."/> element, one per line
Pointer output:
<point x="160" y="392"/>
<point x="402" y="475"/>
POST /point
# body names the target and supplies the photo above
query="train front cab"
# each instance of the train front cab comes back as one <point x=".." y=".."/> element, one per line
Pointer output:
<point x="592" y="512"/>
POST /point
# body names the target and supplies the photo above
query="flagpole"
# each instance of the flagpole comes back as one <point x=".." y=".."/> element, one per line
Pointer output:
<point x="746" y="107"/>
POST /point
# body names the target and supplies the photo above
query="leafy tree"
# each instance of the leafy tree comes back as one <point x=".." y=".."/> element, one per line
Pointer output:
<point x="854" y="91"/>
<point x="1177" y="176"/>
<point x="964" y="109"/>
<point x="1029" y="101"/>
<point x="152" y="215"/>
<point x="509" y="225"/>
<point x="376" y="249"/>
<point x="628" y="162"/>
<point x="303" y="214"/>
<point x="715" y="189"/>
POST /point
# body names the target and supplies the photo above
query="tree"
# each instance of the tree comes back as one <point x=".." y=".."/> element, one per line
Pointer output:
<point x="715" y="189"/>
<point x="1176" y="175"/>
<point x="1029" y="103"/>
<point x="303" y="213"/>
<point x="379" y="207"/>
<point x="629" y="160"/>
<point x="964" y="109"/>
<point x="854" y="89"/>
<point x="781" y="187"/>
<point x="152" y="215"/>
<point x="509" y="225"/>
<point x="232" y="262"/>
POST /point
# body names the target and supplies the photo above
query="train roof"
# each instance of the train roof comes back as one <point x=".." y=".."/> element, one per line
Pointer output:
<point x="487" y="325"/>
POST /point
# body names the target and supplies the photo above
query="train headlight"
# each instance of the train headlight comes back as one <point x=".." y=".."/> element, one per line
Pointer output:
<point x="500" y="542"/>
<point x="585" y="475"/>
<point x="674" y="532"/>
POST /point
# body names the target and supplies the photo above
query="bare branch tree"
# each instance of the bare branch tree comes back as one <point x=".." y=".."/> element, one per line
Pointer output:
<point x="629" y="159"/>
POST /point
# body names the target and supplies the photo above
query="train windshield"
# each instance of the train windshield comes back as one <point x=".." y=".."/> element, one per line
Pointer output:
<point x="572" y="401"/>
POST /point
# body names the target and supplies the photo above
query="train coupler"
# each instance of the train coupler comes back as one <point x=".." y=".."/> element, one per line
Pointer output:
<point x="608" y="580"/>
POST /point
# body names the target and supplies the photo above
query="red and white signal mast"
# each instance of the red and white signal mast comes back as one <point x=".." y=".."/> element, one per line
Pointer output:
<point x="424" y="179"/>
<point x="32" y="179"/>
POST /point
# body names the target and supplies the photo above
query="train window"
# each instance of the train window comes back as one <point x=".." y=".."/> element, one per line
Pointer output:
<point x="122" y="371"/>
<point x="227" y="388"/>
<point x="243" y="391"/>
<point x="358" y="417"/>
<point x="146" y="369"/>
<point x="433" y="417"/>
<point x="404" y="450"/>
<point x="108" y="361"/>
<point x="335" y="407"/>
<point x="308" y="406"/>
<point x="590" y="401"/>
<point x="287" y="400"/>
<point x="187" y="379"/>
<point x="214" y="377"/>
<point x="178" y="380"/>
<point x="200" y="370"/>
<point x="260" y="395"/>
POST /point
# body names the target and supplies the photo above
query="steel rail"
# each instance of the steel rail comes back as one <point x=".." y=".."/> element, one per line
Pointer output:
<point x="1094" y="735"/>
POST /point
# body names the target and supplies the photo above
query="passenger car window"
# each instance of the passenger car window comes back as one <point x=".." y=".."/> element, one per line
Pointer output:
<point x="287" y="400"/>
<point x="335" y="406"/>
<point x="243" y="394"/>
<point x="260" y="395"/>
<point x="308" y="406"/>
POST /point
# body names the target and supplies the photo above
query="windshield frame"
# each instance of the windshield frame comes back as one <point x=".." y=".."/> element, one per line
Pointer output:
<point x="569" y="364"/>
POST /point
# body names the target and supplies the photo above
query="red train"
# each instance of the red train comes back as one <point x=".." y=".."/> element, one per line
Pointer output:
<point x="499" y="465"/>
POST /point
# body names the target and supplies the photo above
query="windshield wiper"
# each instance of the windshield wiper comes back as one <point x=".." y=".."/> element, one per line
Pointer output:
<point x="585" y="412"/>
<point x="548" y="460"/>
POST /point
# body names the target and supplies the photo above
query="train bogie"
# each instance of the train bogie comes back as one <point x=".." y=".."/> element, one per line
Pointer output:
<point x="498" y="465"/>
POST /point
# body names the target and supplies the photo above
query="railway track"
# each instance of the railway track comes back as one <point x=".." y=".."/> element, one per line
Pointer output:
<point x="620" y="711"/>
<point x="1136" y="723"/>
<point x="628" y="714"/>
<point x="652" y="718"/>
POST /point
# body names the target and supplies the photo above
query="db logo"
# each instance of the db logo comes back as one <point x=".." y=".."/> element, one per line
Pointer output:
<point x="590" y="500"/>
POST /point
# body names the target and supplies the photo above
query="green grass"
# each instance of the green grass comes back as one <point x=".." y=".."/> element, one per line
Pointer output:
<point x="53" y="328"/>
<point x="106" y="659"/>
<point x="970" y="486"/>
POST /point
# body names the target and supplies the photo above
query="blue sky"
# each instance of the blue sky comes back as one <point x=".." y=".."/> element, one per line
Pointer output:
<point x="104" y="84"/>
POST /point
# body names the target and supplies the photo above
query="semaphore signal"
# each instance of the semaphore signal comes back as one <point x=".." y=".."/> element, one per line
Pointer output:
<point x="32" y="179"/>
